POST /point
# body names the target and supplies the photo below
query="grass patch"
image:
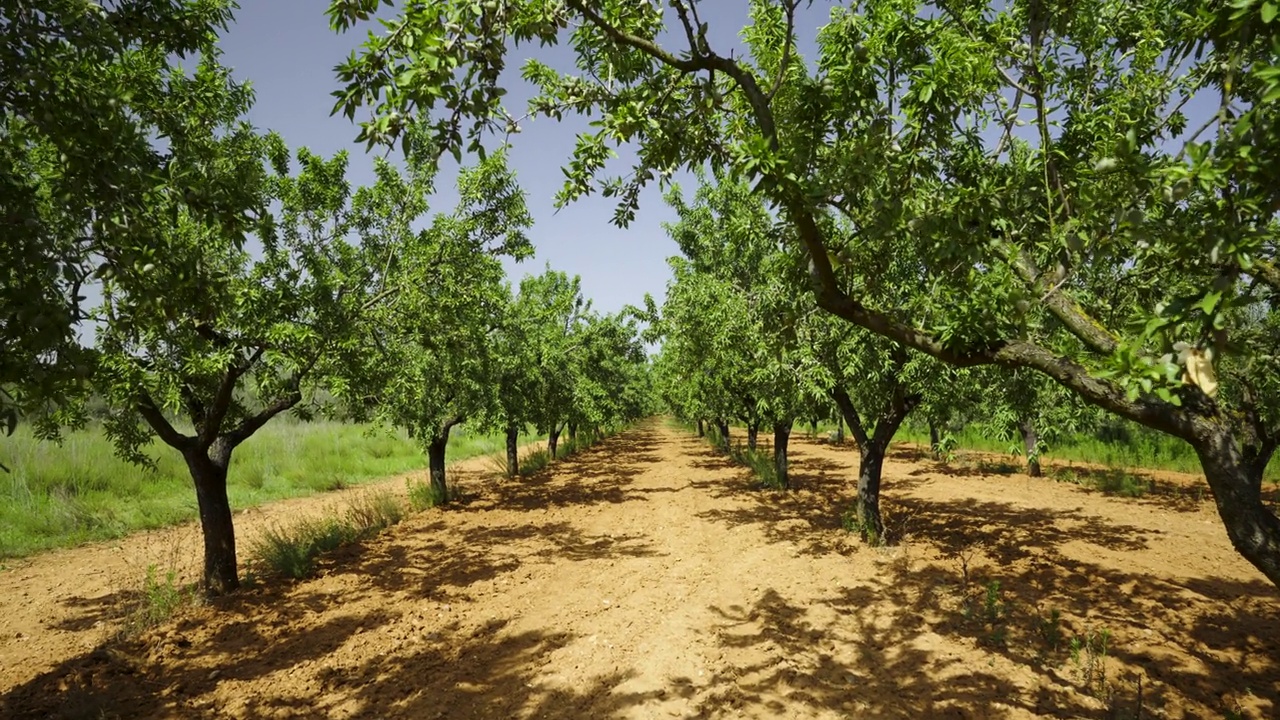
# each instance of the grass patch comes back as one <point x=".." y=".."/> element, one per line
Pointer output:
<point x="760" y="463"/>
<point x="159" y="598"/>
<point x="423" y="495"/>
<point x="1110" y="481"/>
<point x="534" y="462"/>
<point x="59" y="496"/>
<point x="539" y="459"/>
<point x="292" y="551"/>
<point x="1118" y="444"/>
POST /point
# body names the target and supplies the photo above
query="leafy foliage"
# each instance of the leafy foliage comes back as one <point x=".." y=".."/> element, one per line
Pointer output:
<point x="1112" y="245"/>
<point x="86" y="193"/>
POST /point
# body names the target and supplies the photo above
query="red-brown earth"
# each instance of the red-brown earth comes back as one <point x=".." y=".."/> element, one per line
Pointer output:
<point x="646" y="578"/>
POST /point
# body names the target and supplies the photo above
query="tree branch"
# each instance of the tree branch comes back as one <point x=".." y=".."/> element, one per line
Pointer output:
<point x="786" y="49"/>
<point x="851" y="418"/>
<point x="709" y="62"/>
<point x="1267" y="272"/>
<point x="151" y="412"/>
<point x="1180" y="422"/>
<point x="208" y="431"/>
<point x="1066" y="310"/>
<point x="251" y="425"/>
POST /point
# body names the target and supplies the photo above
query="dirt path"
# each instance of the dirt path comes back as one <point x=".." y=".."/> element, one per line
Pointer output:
<point x="645" y="579"/>
<point x="56" y="603"/>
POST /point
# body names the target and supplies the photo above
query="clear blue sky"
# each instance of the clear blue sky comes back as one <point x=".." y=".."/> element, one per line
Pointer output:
<point x="285" y="48"/>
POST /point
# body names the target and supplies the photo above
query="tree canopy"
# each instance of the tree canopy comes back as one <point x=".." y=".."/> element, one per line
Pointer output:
<point x="1115" y="244"/>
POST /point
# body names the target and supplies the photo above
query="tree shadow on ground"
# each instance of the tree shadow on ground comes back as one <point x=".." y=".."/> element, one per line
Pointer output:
<point x="603" y="473"/>
<point x="458" y="671"/>
<point x="1020" y="558"/>
<point x="861" y="661"/>
<point x="263" y="630"/>
<point x="94" y="612"/>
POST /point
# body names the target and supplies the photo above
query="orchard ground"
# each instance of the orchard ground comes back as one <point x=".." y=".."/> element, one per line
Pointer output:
<point x="645" y="578"/>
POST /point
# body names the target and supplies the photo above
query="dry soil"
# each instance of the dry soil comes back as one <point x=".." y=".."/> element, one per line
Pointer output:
<point x="648" y="578"/>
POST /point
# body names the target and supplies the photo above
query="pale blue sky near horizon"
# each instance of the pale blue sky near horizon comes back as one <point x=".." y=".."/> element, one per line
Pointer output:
<point x="287" y="51"/>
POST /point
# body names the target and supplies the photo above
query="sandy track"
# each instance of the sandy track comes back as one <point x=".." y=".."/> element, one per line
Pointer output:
<point x="645" y="579"/>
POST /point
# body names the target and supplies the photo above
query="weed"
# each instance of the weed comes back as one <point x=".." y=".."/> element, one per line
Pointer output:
<point x="994" y="612"/>
<point x="1109" y="481"/>
<point x="1089" y="654"/>
<point x="424" y="495"/>
<point x="852" y="523"/>
<point x="375" y="511"/>
<point x="158" y="599"/>
<point x="1050" y="631"/>
<point x="760" y="463"/>
<point x="1114" y="481"/>
<point x="534" y="462"/>
<point x="498" y="464"/>
<point x="996" y="467"/>
<point x="292" y="551"/>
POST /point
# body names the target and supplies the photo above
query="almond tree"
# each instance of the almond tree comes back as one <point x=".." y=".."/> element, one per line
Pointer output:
<point x="439" y="355"/>
<point x="207" y="343"/>
<point x="555" y="313"/>
<point x="87" y="87"/>
<point x="1136" y="209"/>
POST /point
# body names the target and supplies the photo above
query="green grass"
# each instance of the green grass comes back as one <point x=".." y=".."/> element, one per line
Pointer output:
<point x="292" y="551"/>
<point x="1143" y="448"/>
<point x="158" y="599"/>
<point x="58" y="496"/>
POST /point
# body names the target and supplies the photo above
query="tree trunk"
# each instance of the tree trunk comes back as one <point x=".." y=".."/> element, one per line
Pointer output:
<point x="753" y="434"/>
<point x="553" y="441"/>
<point x="839" y="431"/>
<point x="1236" y="483"/>
<point x="702" y="431"/>
<point x="781" y="437"/>
<point x="872" y="449"/>
<point x="1031" y="441"/>
<point x="573" y="431"/>
<point x="870" y="524"/>
<point x="935" y="443"/>
<point x="209" y="472"/>
<point x="813" y="428"/>
<point x="513" y="451"/>
<point x="723" y="427"/>
<point x="435" y="461"/>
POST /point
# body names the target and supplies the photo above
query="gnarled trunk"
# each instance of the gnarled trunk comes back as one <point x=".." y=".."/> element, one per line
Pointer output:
<point x="553" y="441"/>
<point x="1031" y="441"/>
<point x="872" y="449"/>
<point x="435" y="461"/>
<point x="870" y="523"/>
<point x="723" y="427"/>
<point x="513" y="451"/>
<point x="781" y="438"/>
<point x="935" y="442"/>
<point x="702" y="431"/>
<point x="209" y="472"/>
<point x="839" y="431"/>
<point x="573" y="431"/>
<point x="753" y="435"/>
<point x="1235" y="478"/>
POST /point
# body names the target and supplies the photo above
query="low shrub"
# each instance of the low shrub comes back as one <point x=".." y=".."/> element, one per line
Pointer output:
<point x="424" y="495"/>
<point x="292" y="551"/>
<point x="157" y="601"/>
